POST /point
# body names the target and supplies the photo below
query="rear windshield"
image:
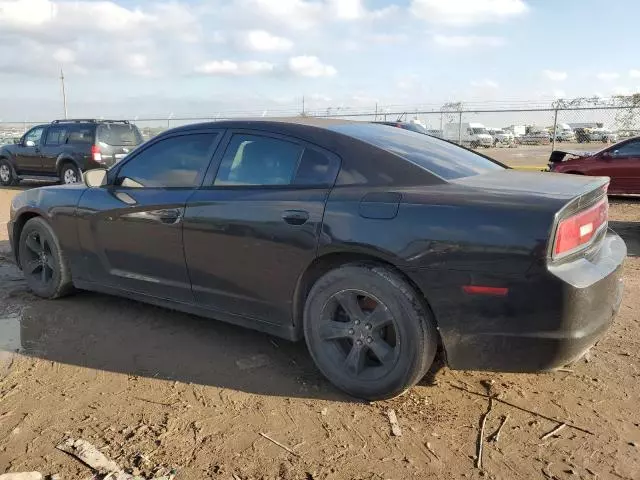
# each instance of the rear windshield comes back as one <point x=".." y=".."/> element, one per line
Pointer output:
<point x="439" y="157"/>
<point x="118" y="134"/>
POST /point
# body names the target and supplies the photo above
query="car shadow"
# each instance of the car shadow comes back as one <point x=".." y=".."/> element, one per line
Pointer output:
<point x="630" y="233"/>
<point x="113" y="334"/>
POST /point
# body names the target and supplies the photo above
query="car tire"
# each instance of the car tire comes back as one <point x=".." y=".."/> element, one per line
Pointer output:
<point x="8" y="175"/>
<point x="474" y="145"/>
<point x="43" y="261"/>
<point x="69" y="174"/>
<point x="368" y="331"/>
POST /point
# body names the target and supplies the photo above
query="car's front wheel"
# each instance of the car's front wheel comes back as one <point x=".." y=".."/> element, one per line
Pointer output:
<point x="69" y="174"/>
<point x="7" y="174"/>
<point x="42" y="260"/>
<point x="368" y="331"/>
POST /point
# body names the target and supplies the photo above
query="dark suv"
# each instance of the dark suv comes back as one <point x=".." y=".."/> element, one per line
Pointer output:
<point x="65" y="148"/>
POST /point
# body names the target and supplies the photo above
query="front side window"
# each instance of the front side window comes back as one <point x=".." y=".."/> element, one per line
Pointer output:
<point x="631" y="149"/>
<point x="256" y="160"/>
<point x="170" y="163"/>
<point x="34" y="135"/>
<point x="55" y="136"/>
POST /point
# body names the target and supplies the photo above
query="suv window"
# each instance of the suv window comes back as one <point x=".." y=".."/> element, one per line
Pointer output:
<point x="80" y="134"/>
<point x="172" y="162"/>
<point x="257" y="160"/>
<point x="56" y="136"/>
<point x="34" y="135"/>
<point x="317" y="168"/>
<point x="439" y="157"/>
<point x="631" y="149"/>
<point x="118" y="134"/>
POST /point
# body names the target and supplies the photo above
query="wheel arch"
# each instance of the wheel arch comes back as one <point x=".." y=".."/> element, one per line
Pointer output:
<point x="18" y="225"/>
<point x="62" y="159"/>
<point x="329" y="261"/>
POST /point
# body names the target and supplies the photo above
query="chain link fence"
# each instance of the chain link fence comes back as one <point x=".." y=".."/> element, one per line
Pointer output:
<point x="529" y="130"/>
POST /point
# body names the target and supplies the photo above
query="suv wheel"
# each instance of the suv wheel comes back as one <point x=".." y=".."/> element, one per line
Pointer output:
<point x="368" y="332"/>
<point x="69" y="174"/>
<point x="7" y="174"/>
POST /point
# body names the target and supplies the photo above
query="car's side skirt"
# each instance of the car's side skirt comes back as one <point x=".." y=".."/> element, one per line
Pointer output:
<point x="288" y="332"/>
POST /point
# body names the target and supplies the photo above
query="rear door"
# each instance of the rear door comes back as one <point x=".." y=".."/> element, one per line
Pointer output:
<point x="53" y="144"/>
<point x="131" y="230"/>
<point x="253" y="228"/>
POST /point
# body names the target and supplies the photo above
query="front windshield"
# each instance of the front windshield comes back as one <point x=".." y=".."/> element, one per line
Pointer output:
<point x="478" y="131"/>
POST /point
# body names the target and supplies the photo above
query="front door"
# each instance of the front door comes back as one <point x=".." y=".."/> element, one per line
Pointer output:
<point x="28" y="154"/>
<point x="253" y="228"/>
<point x="131" y="229"/>
<point x="625" y="167"/>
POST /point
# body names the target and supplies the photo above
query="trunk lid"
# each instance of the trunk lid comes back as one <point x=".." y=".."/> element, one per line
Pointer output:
<point x="554" y="185"/>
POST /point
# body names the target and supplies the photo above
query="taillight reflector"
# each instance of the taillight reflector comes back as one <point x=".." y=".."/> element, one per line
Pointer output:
<point x="483" y="290"/>
<point x="96" y="154"/>
<point x="578" y="230"/>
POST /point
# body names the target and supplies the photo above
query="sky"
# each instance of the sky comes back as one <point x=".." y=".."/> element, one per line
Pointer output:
<point x="160" y="58"/>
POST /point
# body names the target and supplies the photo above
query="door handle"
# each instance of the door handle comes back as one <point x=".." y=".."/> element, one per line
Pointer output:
<point x="169" y="216"/>
<point x="295" y="217"/>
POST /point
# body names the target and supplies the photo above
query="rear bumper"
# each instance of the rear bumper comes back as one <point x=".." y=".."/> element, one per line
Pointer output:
<point x="545" y="322"/>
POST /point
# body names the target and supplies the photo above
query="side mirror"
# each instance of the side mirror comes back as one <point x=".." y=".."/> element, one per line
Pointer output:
<point x="29" y="143"/>
<point x="95" y="178"/>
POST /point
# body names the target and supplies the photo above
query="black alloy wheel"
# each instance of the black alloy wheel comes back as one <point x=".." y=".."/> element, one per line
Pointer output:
<point x="368" y="331"/>
<point x="43" y="261"/>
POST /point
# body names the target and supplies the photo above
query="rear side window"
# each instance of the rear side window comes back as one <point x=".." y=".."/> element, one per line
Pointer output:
<point x="118" y="134"/>
<point x="56" y="136"/>
<point x="170" y="163"/>
<point x="444" y="159"/>
<point x="317" y="168"/>
<point x="257" y="160"/>
<point x="630" y="149"/>
<point x="80" y="134"/>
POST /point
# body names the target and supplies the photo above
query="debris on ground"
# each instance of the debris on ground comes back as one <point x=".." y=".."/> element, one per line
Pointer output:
<point x="255" y="361"/>
<point x="22" y="476"/>
<point x="396" y="431"/>
<point x="97" y="461"/>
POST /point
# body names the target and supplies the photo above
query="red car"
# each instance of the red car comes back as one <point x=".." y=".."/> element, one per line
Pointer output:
<point x="620" y="161"/>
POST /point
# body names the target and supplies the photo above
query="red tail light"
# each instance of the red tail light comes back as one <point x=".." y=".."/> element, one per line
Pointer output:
<point x="578" y="230"/>
<point x="96" y="154"/>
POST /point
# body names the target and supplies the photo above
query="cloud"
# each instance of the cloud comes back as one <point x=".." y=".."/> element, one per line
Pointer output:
<point x="634" y="73"/>
<point x="228" y="67"/>
<point x="263" y="41"/>
<point x="64" y="55"/>
<point x="310" y="66"/>
<point x="464" y="41"/>
<point x="388" y="38"/>
<point x="559" y="93"/>
<point x="607" y="76"/>
<point x="555" y="75"/>
<point x="485" y="83"/>
<point x="467" y="12"/>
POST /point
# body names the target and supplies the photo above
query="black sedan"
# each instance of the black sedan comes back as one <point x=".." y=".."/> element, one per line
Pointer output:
<point x="376" y="245"/>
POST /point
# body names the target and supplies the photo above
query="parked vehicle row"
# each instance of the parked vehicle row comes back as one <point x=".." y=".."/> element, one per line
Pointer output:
<point x="340" y="233"/>
<point x="64" y="149"/>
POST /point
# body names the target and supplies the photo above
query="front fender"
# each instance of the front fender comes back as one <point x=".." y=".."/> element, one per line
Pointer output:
<point x="57" y="205"/>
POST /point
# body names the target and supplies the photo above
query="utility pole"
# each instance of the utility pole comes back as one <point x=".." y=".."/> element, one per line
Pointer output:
<point x="303" y="111"/>
<point x="64" y="93"/>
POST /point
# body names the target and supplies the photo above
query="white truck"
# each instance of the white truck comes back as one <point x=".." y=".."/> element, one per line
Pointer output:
<point x="501" y="137"/>
<point x="472" y="135"/>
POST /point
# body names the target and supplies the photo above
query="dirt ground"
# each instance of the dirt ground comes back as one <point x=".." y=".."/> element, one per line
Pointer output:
<point x="159" y="390"/>
<point x="534" y="157"/>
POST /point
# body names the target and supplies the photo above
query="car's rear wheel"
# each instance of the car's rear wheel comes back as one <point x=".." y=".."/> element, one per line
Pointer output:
<point x="475" y="145"/>
<point x="368" y="331"/>
<point x="8" y="176"/>
<point x="69" y="174"/>
<point x="43" y="261"/>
